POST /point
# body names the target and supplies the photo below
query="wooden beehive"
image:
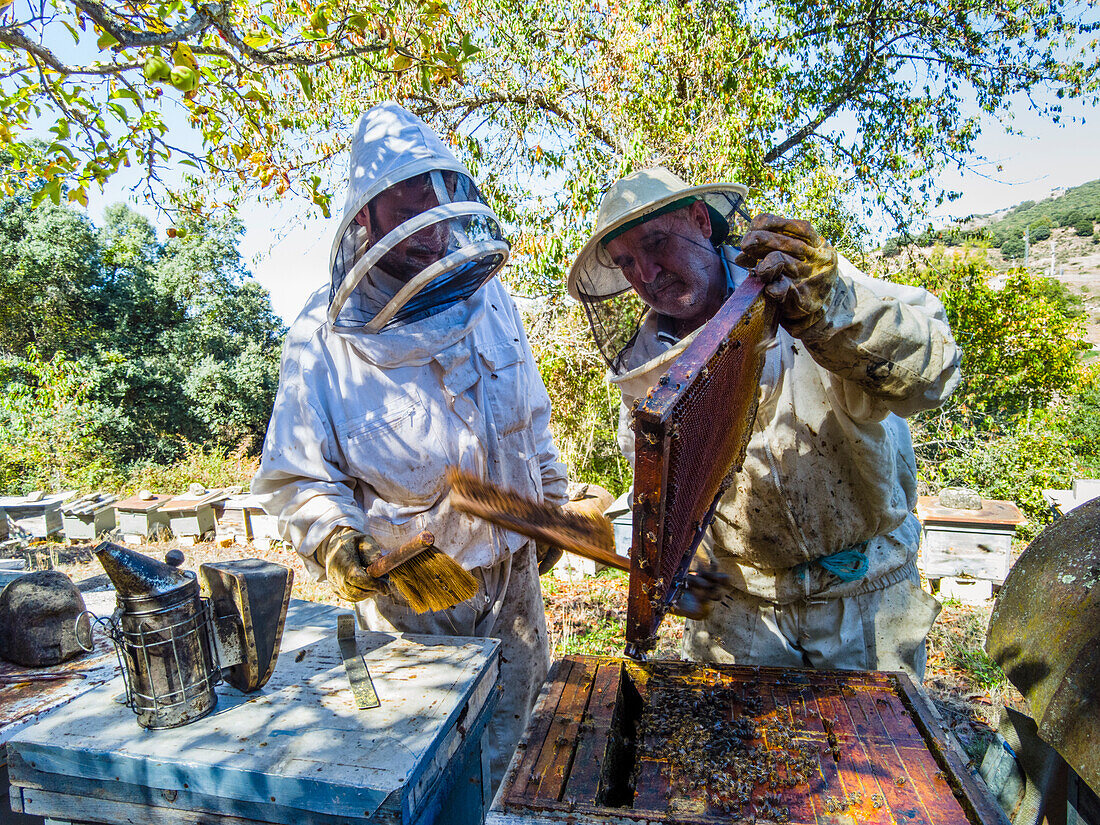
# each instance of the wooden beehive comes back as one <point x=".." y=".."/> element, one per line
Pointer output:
<point x="678" y="742"/>
<point x="190" y="516"/>
<point x="37" y="515"/>
<point x="88" y="516"/>
<point x="139" y="519"/>
<point x="976" y="543"/>
<point x="231" y="519"/>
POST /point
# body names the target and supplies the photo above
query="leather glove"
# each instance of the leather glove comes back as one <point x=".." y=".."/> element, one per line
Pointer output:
<point x="583" y="499"/>
<point x="798" y="267"/>
<point x="548" y="555"/>
<point x="345" y="555"/>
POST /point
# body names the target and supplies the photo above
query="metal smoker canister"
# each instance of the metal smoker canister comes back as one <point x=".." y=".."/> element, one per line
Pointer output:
<point x="161" y="630"/>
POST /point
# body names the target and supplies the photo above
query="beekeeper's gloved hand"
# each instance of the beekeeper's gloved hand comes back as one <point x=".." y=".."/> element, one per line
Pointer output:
<point x="345" y="555"/>
<point x="799" y="268"/>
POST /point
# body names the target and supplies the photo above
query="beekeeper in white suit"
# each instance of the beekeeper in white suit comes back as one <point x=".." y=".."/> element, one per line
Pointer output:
<point x="412" y="360"/>
<point x="817" y="533"/>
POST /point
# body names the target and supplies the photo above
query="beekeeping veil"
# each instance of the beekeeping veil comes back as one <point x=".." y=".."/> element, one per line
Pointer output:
<point x="416" y="235"/>
<point x="614" y="309"/>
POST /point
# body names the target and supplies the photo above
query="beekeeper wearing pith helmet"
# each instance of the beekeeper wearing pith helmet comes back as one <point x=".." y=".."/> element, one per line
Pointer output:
<point x="817" y="532"/>
<point x="412" y="360"/>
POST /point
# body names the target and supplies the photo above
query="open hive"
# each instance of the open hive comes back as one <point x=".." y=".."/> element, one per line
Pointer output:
<point x="676" y="742"/>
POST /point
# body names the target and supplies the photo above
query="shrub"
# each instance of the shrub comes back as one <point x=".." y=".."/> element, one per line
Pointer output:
<point x="1017" y="467"/>
<point x="1083" y="227"/>
<point x="1013" y="248"/>
<point x="210" y="466"/>
<point x="1039" y="233"/>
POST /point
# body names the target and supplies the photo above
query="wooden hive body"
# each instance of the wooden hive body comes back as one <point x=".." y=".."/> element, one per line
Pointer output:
<point x="138" y="519"/>
<point x="615" y="740"/>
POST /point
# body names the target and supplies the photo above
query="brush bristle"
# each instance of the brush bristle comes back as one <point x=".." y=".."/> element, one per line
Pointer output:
<point x="432" y="580"/>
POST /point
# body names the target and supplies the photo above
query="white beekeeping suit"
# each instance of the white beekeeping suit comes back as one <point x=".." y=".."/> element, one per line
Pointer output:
<point x="413" y="359"/>
<point x="816" y="532"/>
<point x="829" y="467"/>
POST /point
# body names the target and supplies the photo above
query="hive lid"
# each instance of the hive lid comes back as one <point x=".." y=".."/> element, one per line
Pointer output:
<point x="190" y="502"/>
<point x="994" y="511"/>
<point x="35" y="501"/>
<point x="140" y="505"/>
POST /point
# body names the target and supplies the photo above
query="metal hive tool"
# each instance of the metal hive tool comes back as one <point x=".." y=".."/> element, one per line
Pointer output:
<point x="690" y="435"/>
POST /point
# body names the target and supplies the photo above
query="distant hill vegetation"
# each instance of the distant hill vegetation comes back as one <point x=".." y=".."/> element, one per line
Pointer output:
<point x="1077" y="208"/>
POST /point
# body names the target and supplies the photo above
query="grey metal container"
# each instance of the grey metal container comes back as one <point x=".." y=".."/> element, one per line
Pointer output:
<point x="161" y="630"/>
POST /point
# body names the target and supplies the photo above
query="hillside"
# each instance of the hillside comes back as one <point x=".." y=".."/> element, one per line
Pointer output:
<point x="1063" y="241"/>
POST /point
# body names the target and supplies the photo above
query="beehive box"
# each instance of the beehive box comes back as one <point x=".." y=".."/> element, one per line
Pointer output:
<point x="36" y="515"/>
<point x="613" y="740"/>
<point x="88" y="516"/>
<point x="264" y="528"/>
<point x="190" y="517"/>
<point x="139" y="519"/>
<point x="969" y="543"/>
<point x="231" y="519"/>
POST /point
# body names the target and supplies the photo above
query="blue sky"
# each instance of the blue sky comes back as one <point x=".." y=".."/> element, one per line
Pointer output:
<point x="288" y="252"/>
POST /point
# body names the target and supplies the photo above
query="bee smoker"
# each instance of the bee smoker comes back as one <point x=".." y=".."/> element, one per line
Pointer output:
<point x="178" y="634"/>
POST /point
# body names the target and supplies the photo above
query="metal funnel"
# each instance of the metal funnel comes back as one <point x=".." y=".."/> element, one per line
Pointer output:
<point x="137" y="576"/>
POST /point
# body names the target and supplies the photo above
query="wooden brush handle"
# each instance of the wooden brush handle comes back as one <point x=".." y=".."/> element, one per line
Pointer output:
<point x="418" y="544"/>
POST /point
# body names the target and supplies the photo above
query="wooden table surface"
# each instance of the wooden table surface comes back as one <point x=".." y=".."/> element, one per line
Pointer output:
<point x="295" y="752"/>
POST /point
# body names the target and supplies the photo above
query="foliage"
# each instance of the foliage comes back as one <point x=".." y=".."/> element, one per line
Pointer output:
<point x="1063" y="209"/>
<point x="960" y="641"/>
<point x="1077" y="207"/>
<point x="585" y="407"/>
<point x="1077" y="417"/>
<point x="140" y="346"/>
<point x="1019" y="341"/>
<point x="1016" y="466"/>
<point x="1039" y="233"/>
<point x="1013" y="248"/>
<point x="213" y="467"/>
<point x="807" y="103"/>
<point x="48" y="426"/>
<point x="1020" y="344"/>
<point x="227" y="88"/>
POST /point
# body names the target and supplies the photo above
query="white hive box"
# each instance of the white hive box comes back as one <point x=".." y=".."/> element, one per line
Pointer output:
<point x="1062" y="501"/>
<point x="87" y="517"/>
<point x="967" y="543"/>
<point x="37" y="515"/>
<point x="231" y="519"/>
<point x="264" y="528"/>
<point x="191" y="517"/>
<point x="138" y="519"/>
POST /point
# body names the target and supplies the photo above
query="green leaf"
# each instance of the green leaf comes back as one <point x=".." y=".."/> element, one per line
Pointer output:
<point x="106" y="40"/>
<point x="306" y="82"/>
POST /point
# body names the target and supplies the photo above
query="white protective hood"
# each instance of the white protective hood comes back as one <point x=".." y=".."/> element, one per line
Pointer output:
<point x="390" y="146"/>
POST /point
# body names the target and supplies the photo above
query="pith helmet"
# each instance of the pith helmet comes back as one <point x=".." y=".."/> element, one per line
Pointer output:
<point x="632" y="201"/>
